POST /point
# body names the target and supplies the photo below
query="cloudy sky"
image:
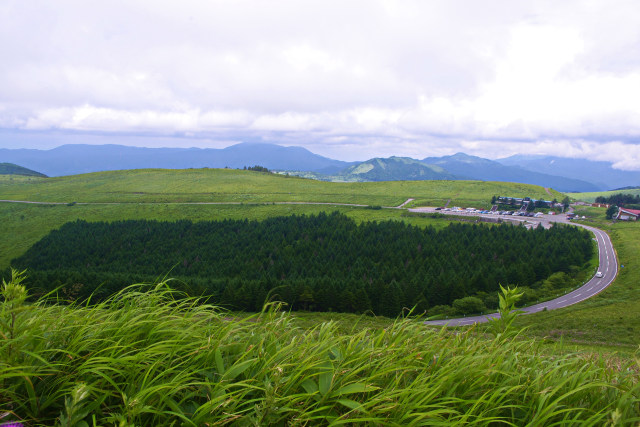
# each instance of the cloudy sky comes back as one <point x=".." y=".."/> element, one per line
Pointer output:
<point x="346" y="79"/>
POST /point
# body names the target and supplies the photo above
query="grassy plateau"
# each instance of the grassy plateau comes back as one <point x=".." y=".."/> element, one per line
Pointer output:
<point x="233" y="186"/>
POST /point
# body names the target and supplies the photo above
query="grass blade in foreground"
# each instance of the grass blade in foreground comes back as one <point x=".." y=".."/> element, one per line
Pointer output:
<point x="156" y="358"/>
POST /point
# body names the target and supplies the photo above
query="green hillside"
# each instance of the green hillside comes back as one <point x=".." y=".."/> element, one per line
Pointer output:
<point x="392" y="169"/>
<point x="235" y="186"/>
<point x="591" y="197"/>
<point x="11" y="169"/>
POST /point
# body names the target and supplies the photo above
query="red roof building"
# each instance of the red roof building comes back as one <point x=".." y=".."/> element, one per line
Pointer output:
<point x="628" y="214"/>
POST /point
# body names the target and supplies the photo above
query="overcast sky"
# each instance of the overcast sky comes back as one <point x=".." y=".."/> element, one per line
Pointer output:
<point x="347" y="79"/>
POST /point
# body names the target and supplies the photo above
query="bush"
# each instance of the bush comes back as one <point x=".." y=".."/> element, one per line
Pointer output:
<point x="469" y="305"/>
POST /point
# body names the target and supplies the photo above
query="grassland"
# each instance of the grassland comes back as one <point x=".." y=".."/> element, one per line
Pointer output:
<point x="14" y="179"/>
<point x="233" y="186"/>
<point x="145" y="358"/>
<point x="591" y="197"/>
<point x="612" y="319"/>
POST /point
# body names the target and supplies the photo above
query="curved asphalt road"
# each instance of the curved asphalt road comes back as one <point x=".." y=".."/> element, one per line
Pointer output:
<point x="608" y="267"/>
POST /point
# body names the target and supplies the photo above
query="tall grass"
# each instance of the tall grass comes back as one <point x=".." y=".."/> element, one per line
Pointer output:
<point x="154" y="357"/>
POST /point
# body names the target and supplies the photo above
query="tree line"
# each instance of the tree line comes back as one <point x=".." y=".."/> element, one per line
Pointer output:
<point x="619" y="199"/>
<point x="323" y="262"/>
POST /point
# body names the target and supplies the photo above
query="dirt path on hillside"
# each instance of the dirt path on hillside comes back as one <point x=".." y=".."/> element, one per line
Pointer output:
<point x="403" y="204"/>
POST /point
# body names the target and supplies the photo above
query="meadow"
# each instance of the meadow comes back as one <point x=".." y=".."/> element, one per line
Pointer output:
<point x="235" y="186"/>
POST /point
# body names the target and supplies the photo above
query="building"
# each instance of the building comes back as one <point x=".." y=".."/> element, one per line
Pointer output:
<point x="628" y="214"/>
<point x="517" y="201"/>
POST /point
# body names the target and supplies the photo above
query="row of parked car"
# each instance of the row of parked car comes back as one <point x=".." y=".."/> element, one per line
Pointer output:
<point x="479" y="211"/>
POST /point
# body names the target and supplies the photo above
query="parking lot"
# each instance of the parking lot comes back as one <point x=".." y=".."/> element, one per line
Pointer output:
<point x="499" y="216"/>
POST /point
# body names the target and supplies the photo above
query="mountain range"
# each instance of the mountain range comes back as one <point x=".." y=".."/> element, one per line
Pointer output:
<point x="472" y="167"/>
<point x="567" y="175"/>
<point x="74" y="159"/>
<point x="598" y="172"/>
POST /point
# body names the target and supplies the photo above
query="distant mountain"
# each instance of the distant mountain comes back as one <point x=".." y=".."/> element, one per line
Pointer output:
<point x="600" y="173"/>
<point x="392" y="169"/>
<point x="80" y="158"/>
<point x="627" y="188"/>
<point x="12" y="169"/>
<point x="473" y="167"/>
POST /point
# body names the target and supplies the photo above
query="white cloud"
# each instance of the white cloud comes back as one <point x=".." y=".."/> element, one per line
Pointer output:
<point x="375" y="77"/>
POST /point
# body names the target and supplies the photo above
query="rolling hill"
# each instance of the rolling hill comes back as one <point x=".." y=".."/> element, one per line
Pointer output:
<point x="12" y="169"/>
<point x="392" y="169"/>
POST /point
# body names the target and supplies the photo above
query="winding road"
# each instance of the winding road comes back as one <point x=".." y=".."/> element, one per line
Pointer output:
<point x="608" y="266"/>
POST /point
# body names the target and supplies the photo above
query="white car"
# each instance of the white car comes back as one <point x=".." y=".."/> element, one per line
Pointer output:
<point x="599" y="274"/>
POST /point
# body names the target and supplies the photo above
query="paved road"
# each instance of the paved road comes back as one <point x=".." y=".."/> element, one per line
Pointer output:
<point x="608" y="266"/>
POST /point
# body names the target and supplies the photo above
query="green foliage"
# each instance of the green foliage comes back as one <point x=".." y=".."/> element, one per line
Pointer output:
<point x="469" y="305"/>
<point x="611" y="211"/>
<point x="13" y="294"/>
<point x="507" y="312"/>
<point x="257" y="168"/>
<point x="619" y="199"/>
<point x="318" y="263"/>
<point x="591" y="196"/>
<point x="157" y="358"/>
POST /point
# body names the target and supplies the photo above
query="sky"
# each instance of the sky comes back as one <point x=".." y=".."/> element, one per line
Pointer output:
<point x="347" y="79"/>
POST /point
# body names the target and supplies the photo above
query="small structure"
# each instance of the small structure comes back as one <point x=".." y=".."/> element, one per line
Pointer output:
<point x="524" y="202"/>
<point x="628" y="214"/>
<point x="600" y="205"/>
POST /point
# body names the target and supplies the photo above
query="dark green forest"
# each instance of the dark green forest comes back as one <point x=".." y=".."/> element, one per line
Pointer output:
<point x="325" y="262"/>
